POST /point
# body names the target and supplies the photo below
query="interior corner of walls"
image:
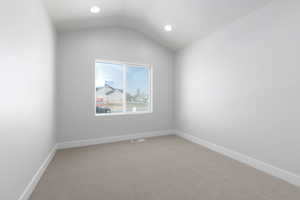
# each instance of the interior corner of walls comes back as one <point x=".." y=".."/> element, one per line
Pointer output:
<point x="32" y="44"/>
<point x="38" y="175"/>
<point x="104" y="140"/>
<point x="257" y="164"/>
<point x="101" y="44"/>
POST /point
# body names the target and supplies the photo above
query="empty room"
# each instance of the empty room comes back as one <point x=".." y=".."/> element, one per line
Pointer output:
<point x="150" y="100"/>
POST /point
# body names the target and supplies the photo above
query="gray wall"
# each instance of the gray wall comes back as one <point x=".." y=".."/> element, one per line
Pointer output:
<point x="239" y="87"/>
<point x="77" y="51"/>
<point x="27" y="93"/>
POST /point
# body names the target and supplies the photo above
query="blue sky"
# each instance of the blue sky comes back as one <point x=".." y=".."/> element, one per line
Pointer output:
<point x="137" y="77"/>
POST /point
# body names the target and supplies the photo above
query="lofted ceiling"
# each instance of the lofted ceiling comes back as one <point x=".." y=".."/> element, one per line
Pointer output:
<point x="191" y="19"/>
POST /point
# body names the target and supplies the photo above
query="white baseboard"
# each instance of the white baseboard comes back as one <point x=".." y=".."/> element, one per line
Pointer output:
<point x="82" y="143"/>
<point x="260" y="165"/>
<point x="38" y="175"/>
<point x="275" y="171"/>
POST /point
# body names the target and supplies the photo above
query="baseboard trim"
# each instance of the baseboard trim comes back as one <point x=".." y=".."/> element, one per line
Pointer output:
<point x="260" y="165"/>
<point x="38" y="175"/>
<point x="89" y="142"/>
<point x="80" y="143"/>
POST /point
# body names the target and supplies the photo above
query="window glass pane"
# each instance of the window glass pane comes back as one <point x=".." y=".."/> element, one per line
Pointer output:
<point x="109" y="88"/>
<point x="137" y="89"/>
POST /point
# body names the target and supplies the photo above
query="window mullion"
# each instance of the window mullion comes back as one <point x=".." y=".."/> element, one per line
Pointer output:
<point x="124" y="87"/>
<point x="150" y="89"/>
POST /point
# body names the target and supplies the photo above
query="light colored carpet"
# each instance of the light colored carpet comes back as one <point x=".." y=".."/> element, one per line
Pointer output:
<point x="162" y="168"/>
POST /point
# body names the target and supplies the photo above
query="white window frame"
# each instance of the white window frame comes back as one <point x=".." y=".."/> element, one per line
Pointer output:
<point x="125" y="64"/>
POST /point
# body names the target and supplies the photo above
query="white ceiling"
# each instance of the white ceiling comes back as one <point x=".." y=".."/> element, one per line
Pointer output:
<point x="191" y="19"/>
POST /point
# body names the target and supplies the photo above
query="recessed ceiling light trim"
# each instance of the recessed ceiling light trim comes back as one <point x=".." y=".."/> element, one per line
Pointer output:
<point x="168" y="28"/>
<point x="95" y="9"/>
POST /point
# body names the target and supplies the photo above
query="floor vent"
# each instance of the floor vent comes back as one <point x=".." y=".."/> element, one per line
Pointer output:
<point x="138" y="140"/>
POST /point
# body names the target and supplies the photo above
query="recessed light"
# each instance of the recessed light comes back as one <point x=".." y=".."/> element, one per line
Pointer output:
<point x="168" y="28"/>
<point x="95" y="9"/>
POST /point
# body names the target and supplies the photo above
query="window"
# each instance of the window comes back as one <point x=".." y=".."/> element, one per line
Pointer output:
<point x="122" y="88"/>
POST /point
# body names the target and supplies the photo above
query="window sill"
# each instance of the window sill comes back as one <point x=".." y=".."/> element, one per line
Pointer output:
<point x="122" y="114"/>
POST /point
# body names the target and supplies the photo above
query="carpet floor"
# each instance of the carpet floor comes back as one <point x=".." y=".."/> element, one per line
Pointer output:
<point x="161" y="168"/>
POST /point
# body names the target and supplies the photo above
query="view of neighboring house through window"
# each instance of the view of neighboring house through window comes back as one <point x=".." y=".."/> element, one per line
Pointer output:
<point x="122" y="88"/>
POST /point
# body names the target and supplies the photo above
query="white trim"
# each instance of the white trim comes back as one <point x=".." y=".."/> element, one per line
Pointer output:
<point x="121" y="62"/>
<point x="124" y="87"/>
<point x="125" y="65"/>
<point x="151" y="88"/>
<point x="89" y="142"/>
<point x="265" y="167"/>
<point x="260" y="165"/>
<point x="38" y="175"/>
<point x="120" y="114"/>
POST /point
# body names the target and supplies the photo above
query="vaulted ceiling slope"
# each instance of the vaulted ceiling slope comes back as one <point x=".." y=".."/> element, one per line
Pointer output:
<point x="191" y="19"/>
